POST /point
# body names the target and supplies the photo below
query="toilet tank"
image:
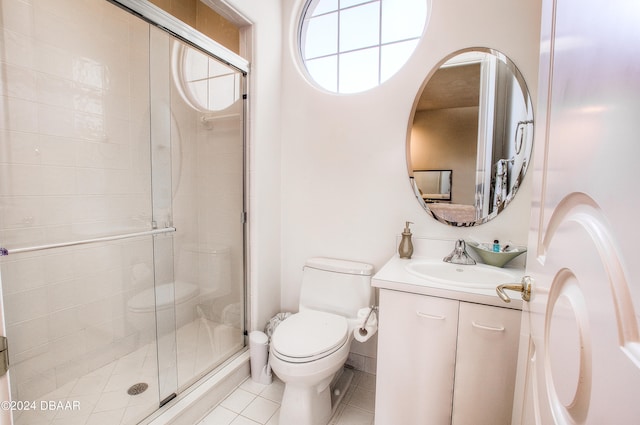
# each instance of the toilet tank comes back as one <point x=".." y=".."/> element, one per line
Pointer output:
<point x="208" y="267"/>
<point x="336" y="286"/>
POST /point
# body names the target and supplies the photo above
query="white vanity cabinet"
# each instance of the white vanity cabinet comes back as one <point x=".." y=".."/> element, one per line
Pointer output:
<point x="443" y="361"/>
<point x="486" y="364"/>
<point x="416" y="359"/>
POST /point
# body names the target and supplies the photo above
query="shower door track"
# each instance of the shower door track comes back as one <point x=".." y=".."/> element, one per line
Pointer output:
<point x="4" y="251"/>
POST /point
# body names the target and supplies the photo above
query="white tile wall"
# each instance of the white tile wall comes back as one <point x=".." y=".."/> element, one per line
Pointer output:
<point x="72" y="165"/>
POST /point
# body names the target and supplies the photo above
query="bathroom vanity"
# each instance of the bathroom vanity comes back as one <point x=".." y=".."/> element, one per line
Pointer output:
<point x="446" y="354"/>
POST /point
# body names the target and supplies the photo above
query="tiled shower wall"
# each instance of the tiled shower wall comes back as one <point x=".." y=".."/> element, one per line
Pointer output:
<point x="74" y="164"/>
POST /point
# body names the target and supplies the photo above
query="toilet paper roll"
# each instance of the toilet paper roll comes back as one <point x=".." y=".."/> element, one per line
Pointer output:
<point x="368" y="325"/>
<point x="363" y="335"/>
<point x="362" y="316"/>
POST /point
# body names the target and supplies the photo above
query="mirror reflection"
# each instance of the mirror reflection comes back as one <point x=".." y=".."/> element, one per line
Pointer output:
<point x="434" y="185"/>
<point x="474" y="119"/>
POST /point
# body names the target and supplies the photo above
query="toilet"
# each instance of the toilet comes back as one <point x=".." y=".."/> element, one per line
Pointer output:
<point x="202" y="275"/>
<point x="309" y="349"/>
<point x="163" y="301"/>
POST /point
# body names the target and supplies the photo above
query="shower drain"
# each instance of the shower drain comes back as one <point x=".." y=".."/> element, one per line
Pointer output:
<point x="138" y="388"/>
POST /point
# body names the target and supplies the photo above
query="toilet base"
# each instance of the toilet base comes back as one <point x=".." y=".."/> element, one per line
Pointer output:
<point x="340" y="387"/>
<point x="314" y="405"/>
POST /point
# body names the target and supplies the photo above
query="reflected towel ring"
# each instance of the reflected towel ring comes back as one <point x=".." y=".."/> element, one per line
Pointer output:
<point x="520" y="127"/>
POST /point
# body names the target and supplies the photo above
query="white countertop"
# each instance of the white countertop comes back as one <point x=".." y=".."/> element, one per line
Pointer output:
<point x="394" y="276"/>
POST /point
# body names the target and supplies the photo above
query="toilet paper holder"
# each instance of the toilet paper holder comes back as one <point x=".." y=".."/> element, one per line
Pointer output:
<point x="362" y="330"/>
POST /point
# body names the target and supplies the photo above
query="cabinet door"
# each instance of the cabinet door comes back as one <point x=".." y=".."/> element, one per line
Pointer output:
<point x="486" y="362"/>
<point x="416" y="355"/>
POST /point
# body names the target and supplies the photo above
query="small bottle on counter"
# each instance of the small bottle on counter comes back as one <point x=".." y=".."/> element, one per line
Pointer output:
<point x="405" y="250"/>
<point x="496" y="246"/>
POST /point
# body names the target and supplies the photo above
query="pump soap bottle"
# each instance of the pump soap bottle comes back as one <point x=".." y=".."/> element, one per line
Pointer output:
<point x="405" y="250"/>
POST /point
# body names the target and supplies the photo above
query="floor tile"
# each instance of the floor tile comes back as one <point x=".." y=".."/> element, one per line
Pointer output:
<point x="253" y="387"/>
<point x="275" y="419"/>
<point x="241" y="420"/>
<point x="363" y="399"/>
<point x="274" y="391"/>
<point x="219" y="416"/>
<point x="260" y="410"/>
<point x="262" y="404"/>
<point x="238" y="400"/>
<point x="354" y="416"/>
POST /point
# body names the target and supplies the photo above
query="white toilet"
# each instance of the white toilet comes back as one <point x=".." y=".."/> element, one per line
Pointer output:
<point x="308" y="349"/>
<point x="202" y="275"/>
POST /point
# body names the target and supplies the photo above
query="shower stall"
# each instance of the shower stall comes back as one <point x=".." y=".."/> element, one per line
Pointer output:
<point x="122" y="211"/>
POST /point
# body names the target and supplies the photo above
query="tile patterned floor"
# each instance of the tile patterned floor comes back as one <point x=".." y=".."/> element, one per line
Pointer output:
<point x="256" y="404"/>
<point x="101" y="396"/>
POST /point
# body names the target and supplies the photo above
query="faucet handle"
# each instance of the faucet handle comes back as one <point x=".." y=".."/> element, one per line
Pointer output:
<point x="459" y="254"/>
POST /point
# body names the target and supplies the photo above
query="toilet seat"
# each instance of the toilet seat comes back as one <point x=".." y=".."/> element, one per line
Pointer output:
<point x="309" y="335"/>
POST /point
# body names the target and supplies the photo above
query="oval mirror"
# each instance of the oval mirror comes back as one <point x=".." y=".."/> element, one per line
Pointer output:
<point x="470" y="143"/>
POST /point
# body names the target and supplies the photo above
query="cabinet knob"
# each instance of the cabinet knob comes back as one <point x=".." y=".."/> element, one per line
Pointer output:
<point x="524" y="287"/>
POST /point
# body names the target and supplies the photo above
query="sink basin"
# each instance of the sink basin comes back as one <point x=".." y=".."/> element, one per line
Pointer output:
<point x="479" y="276"/>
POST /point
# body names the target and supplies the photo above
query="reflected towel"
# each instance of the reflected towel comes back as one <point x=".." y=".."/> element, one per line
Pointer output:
<point x="500" y="186"/>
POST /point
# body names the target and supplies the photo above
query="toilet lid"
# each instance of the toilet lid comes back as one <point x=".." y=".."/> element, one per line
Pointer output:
<point x="310" y="334"/>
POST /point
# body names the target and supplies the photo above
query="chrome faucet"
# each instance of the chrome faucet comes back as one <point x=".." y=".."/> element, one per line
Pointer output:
<point x="459" y="254"/>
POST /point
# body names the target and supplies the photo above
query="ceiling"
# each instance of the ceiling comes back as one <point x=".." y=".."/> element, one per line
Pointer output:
<point x="452" y="87"/>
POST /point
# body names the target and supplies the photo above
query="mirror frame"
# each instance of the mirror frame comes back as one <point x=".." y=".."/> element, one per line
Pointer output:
<point x="530" y="136"/>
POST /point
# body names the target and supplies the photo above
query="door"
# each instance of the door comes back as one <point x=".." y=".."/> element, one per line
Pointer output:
<point x="584" y="355"/>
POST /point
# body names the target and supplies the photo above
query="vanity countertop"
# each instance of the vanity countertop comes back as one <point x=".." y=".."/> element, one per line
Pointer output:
<point x="395" y="276"/>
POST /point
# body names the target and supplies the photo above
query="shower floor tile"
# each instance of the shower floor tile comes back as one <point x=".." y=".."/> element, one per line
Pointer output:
<point x="256" y="404"/>
<point x="102" y="395"/>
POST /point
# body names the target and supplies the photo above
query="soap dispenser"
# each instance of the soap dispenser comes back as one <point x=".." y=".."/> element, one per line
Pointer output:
<point x="405" y="250"/>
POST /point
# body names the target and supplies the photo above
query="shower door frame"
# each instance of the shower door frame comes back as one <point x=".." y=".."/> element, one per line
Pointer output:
<point x="158" y="18"/>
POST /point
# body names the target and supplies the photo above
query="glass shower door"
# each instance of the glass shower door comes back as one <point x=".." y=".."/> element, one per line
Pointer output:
<point x="118" y="137"/>
<point x="207" y="139"/>
<point x="76" y="203"/>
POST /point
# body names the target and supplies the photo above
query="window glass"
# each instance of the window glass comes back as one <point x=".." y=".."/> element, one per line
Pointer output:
<point x="349" y="46"/>
<point x="397" y="24"/>
<point x="324" y="71"/>
<point x="358" y="70"/>
<point x="322" y="36"/>
<point x="394" y="56"/>
<point x="325" y="6"/>
<point x="348" y="3"/>
<point x="360" y="27"/>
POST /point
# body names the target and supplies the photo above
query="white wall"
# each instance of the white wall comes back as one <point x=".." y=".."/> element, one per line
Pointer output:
<point x="263" y="49"/>
<point x="345" y="191"/>
<point x="328" y="173"/>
